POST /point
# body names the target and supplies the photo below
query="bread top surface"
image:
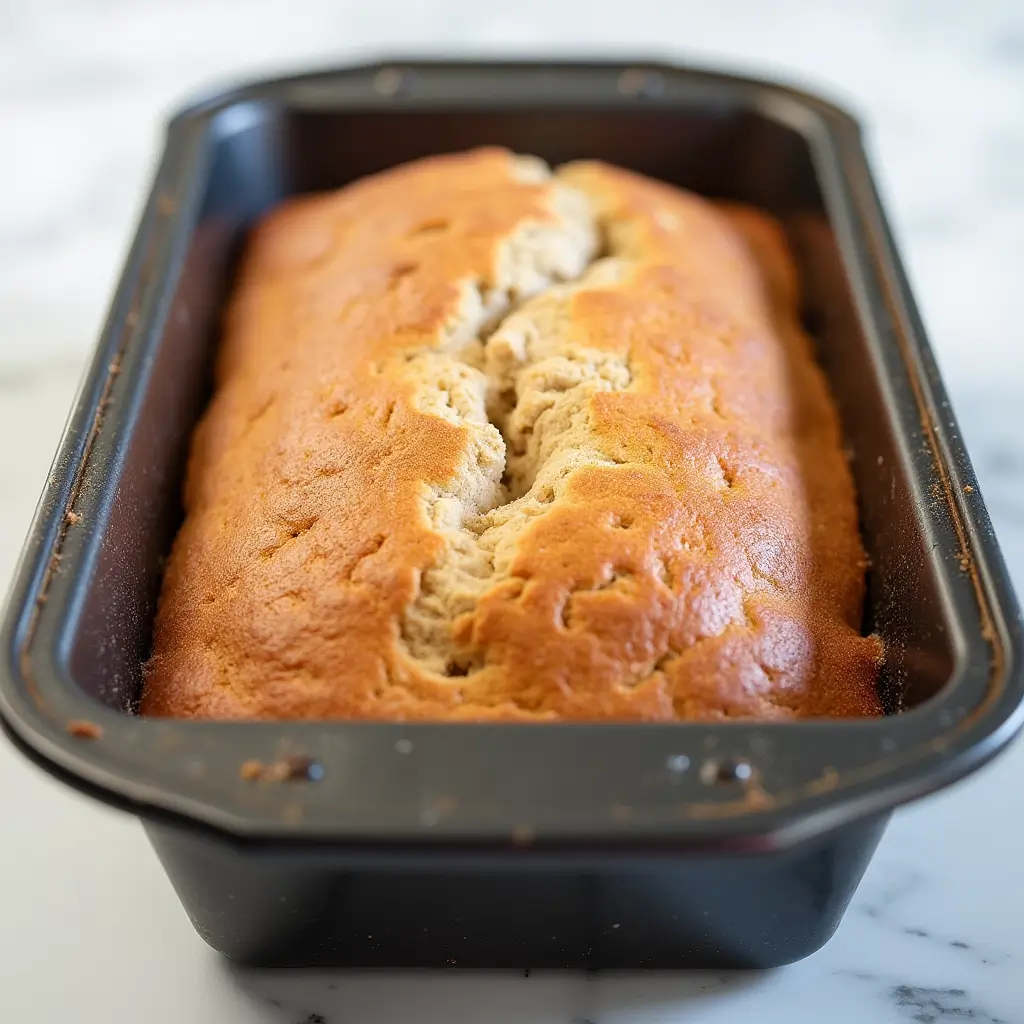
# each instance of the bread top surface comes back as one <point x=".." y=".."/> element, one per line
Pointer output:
<point x="489" y="443"/>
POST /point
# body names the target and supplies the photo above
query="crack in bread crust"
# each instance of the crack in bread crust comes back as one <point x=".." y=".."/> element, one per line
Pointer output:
<point x="526" y="417"/>
<point x="492" y="443"/>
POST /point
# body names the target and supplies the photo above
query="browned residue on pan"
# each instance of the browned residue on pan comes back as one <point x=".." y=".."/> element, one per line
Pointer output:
<point x="83" y="729"/>
<point x="754" y="799"/>
<point x="70" y="517"/>
<point x="287" y="769"/>
<point x="825" y="783"/>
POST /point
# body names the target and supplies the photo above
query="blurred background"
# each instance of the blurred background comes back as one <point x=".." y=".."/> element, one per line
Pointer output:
<point x="84" y="88"/>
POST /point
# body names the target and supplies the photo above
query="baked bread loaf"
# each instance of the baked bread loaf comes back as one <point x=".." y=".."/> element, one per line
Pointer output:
<point x="494" y="443"/>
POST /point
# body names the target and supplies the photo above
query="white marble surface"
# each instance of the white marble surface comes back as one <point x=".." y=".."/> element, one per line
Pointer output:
<point x="89" y="928"/>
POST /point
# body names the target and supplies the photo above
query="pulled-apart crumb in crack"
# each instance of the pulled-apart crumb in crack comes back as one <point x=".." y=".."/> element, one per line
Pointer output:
<point x="541" y="386"/>
<point x="509" y="372"/>
<point x="530" y="170"/>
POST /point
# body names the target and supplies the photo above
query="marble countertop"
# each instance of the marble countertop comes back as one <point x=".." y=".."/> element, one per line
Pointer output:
<point x="90" y="930"/>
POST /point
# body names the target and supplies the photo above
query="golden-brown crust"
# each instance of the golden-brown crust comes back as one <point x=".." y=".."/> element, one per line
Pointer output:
<point x="704" y="563"/>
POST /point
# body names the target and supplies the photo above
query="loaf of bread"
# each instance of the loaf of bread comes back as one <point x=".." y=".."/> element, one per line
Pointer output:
<point x="494" y="443"/>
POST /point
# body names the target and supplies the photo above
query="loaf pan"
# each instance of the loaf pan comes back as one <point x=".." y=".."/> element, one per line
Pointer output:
<point x="334" y="843"/>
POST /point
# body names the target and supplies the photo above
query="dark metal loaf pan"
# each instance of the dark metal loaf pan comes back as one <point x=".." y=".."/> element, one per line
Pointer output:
<point x="527" y="846"/>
